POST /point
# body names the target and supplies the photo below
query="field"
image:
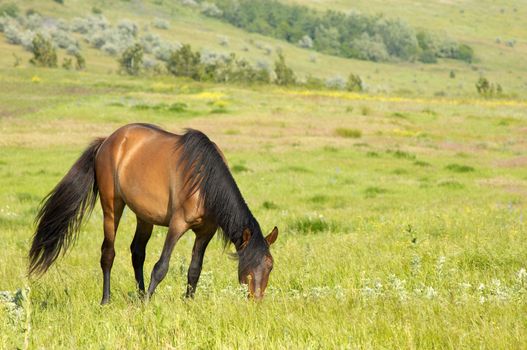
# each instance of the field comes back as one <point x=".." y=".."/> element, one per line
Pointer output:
<point x="401" y="216"/>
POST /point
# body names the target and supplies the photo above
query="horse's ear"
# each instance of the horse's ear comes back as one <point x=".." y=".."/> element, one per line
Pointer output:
<point x="271" y="238"/>
<point x="246" y="235"/>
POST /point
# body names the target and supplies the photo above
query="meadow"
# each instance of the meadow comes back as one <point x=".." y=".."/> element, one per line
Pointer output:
<point x="401" y="216"/>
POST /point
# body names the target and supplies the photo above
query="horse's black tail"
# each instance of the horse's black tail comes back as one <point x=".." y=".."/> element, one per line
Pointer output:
<point x="62" y="210"/>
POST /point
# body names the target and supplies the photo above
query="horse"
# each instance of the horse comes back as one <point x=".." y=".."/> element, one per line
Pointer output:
<point x="178" y="181"/>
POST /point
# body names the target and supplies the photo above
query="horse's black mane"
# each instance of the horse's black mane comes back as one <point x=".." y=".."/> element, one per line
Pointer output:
<point x="219" y="193"/>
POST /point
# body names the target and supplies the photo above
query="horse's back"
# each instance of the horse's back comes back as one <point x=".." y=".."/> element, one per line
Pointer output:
<point x="137" y="163"/>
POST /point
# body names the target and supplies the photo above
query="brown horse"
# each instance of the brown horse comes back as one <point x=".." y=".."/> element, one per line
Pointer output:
<point x="178" y="181"/>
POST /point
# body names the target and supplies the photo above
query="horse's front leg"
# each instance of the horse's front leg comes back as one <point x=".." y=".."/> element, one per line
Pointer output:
<point x="176" y="229"/>
<point x="203" y="237"/>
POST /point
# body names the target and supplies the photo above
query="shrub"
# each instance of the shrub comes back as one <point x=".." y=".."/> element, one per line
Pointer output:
<point x="80" y="62"/>
<point x="336" y="82"/>
<point x="63" y="39"/>
<point x="354" y="83"/>
<point x="16" y="35"/>
<point x="131" y="60"/>
<point x="487" y="89"/>
<point x="223" y="40"/>
<point x="398" y="37"/>
<point x="95" y="10"/>
<point x="428" y="56"/>
<point x="164" y="50"/>
<point x="150" y="42"/>
<point x="210" y="9"/>
<point x="369" y="48"/>
<point x="72" y="50"/>
<point x="9" y="9"/>
<point x="284" y="74"/>
<point x="34" y="21"/>
<point x="160" y="23"/>
<point x="80" y="25"/>
<point x="190" y="3"/>
<point x="63" y="25"/>
<point x="44" y="54"/>
<point x="465" y="53"/>
<point x="306" y="42"/>
<point x="110" y="49"/>
<point x="185" y="63"/>
<point x="67" y="63"/>
<point x="127" y="27"/>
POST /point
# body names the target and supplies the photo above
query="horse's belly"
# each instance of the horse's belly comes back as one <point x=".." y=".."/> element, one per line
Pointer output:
<point x="144" y="185"/>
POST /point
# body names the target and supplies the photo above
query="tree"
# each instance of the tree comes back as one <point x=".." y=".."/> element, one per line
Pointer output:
<point x="44" y="54"/>
<point x="354" y="83"/>
<point x="185" y="63"/>
<point x="131" y="59"/>
<point x="284" y="74"/>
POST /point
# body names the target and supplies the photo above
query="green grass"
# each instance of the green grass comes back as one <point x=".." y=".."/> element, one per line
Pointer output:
<point x="412" y="238"/>
<point x="348" y="133"/>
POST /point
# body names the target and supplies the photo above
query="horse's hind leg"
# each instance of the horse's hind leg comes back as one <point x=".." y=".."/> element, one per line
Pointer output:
<point x="203" y="237"/>
<point x="138" y="249"/>
<point x="112" y="210"/>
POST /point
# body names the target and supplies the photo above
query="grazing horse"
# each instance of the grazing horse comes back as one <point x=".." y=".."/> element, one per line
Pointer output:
<point x="178" y="181"/>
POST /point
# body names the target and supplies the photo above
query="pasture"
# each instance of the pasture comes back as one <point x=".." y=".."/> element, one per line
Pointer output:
<point x="407" y="234"/>
<point x="401" y="210"/>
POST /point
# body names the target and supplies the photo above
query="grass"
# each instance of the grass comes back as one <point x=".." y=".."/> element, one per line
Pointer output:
<point x="378" y="248"/>
<point x="348" y="133"/>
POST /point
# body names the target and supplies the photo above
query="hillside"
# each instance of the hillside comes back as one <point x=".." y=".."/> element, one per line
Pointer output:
<point x="498" y="62"/>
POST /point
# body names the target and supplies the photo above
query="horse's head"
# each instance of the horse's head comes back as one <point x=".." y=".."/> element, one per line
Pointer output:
<point x="256" y="262"/>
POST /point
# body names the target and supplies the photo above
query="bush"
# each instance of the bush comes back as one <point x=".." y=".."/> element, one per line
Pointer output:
<point x="9" y="9"/>
<point x="80" y="62"/>
<point x="127" y="27"/>
<point x="34" y="22"/>
<point x="160" y="23"/>
<point x="67" y="63"/>
<point x="487" y="89"/>
<point x="16" y="35"/>
<point x="63" y="39"/>
<point x="185" y="63"/>
<point x="72" y="50"/>
<point x="369" y="48"/>
<point x="336" y="82"/>
<point x="95" y="10"/>
<point x="398" y="37"/>
<point x="314" y="82"/>
<point x="44" y="54"/>
<point x="210" y="9"/>
<point x="110" y="49"/>
<point x="284" y="74"/>
<point x="428" y="56"/>
<point x="149" y="42"/>
<point x="131" y="60"/>
<point x="306" y="42"/>
<point x="223" y="40"/>
<point x="465" y="53"/>
<point x="354" y="83"/>
<point x="164" y="50"/>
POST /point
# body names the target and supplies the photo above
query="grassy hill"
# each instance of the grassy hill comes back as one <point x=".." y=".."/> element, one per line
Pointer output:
<point x="478" y="24"/>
